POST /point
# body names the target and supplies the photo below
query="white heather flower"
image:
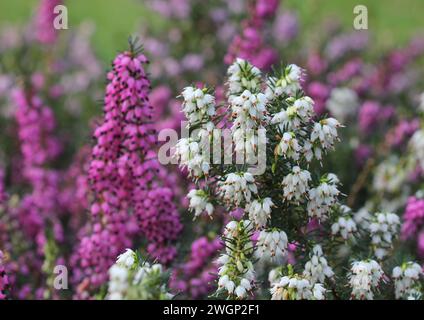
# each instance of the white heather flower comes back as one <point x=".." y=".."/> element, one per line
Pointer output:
<point x="271" y="246"/>
<point x="323" y="197"/>
<point x="383" y="229"/>
<point x="237" y="187"/>
<point x="310" y="150"/>
<point x="242" y="76"/>
<point x="296" y="288"/>
<point x="274" y="275"/>
<point x="289" y="82"/>
<point x="365" y="276"/>
<point x="421" y="103"/>
<point x="189" y="153"/>
<point x="417" y="146"/>
<point x="248" y="108"/>
<point x="289" y="146"/>
<point x="343" y="103"/>
<point x="260" y="211"/>
<point x="198" y="105"/>
<point x="362" y="218"/>
<point x="236" y="271"/>
<point x="345" y="226"/>
<point x="326" y="132"/>
<point x="317" y="268"/>
<point x="406" y="279"/>
<point x="389" y="175"/>
<point x="295" y="184"/>
<point x="118" y="282"/>
<point x="127" y="259"/>
<point x="199" y="202"/>
<point x="295" y="115"/>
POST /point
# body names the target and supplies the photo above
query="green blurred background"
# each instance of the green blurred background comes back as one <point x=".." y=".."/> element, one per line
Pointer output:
<point x="391" y="22"/>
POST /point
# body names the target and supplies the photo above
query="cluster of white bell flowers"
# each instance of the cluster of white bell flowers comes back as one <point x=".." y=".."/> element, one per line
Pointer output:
<point x="383" y="229"/>
<point x="131" y="278"/>
<point x="236" y="272"/>
<point x="365" y="278"/>
<point x="406" y="280"/>
<point x="271" y="246"/>
<point x="317" y="268"/>
<point x="199" y="202"/>
<point x="293" y="210"/>
<point x="297" y="288"/>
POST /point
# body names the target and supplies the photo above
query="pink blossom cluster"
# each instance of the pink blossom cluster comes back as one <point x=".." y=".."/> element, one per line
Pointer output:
<point x="128" y="183"/>
<point x="4" y="280"/>
<point x="413" y="222"/>
<point x="250" y="43"/>
<point x="196" y="277"/>
<point x="44" y="29"/>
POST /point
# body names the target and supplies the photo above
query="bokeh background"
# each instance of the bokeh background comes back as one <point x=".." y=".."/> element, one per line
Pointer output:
<point x="392" y="22"/>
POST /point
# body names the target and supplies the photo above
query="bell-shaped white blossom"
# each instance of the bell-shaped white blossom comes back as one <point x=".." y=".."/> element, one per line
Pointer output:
<point x="191" y="155"/>
<point x="297" y="288"/>
<point x="260" y="212"/>
<point x="416" y="145"/>
<point x="237" y="188"/>
<point x="271" y="246"/>
<point x="242" y="76"/>
<point x="343" y="103"/>
<point x="325" y="131"/>
<point x="406" y="280"/>
<point x="297" y="114"/>
<point x="289" y="82"/>
<point x="127" y="259"/>
<point x="323" y="197"/>
<point x="317" y="268"/>
<point x="295" y="184"/>
<point x="236" y="272"/>
<point x="383" y="229"/>
<point x="289" y="146"/>
<point x="198" y="105"/>
<point x="364" y="278"/>
<point x="199" y="202"/>
<point x="344" y="226"/>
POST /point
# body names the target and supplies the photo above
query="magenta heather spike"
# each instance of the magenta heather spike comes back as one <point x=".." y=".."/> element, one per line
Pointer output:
<point x="126" y="178"/>
<point x="44" y="29"/>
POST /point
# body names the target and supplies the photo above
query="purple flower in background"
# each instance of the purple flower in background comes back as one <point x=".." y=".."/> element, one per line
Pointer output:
<point x="196" y="277"/>
<point x="171" y="8"/>
<point x="45" y="31"/>
<point x="413" y="222"/>
<point x="126" y="177"/>
<point x="266" y="8"/>
<point x="362" y="153"/>
<point x="402" y="132"/>
<point x="286" y="27"/>
<point x="4" y="280"/>
<point x="344" y="43"/>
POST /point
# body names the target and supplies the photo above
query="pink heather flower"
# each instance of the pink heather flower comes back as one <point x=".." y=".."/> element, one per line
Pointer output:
<point x="45" y="31"/>
<point x="286" y="27"/>
<point x="127" y="181"/>
<point x="402" y="132"/>
<point x="195" y="278"/>
<point x="413" y="218"/>
<point x="420" y="244"/>
<point x="319" y="92"/>
<point x="342" y="44"/>
<point x="250" y="45"/>
<point x="369" y="115"/>
<point x="4" y="280"/>
<point x="266" y="8"/>
<point x="36" y="124"/>
<point x="346" y="72"/>
<point x="362" y="153"/>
